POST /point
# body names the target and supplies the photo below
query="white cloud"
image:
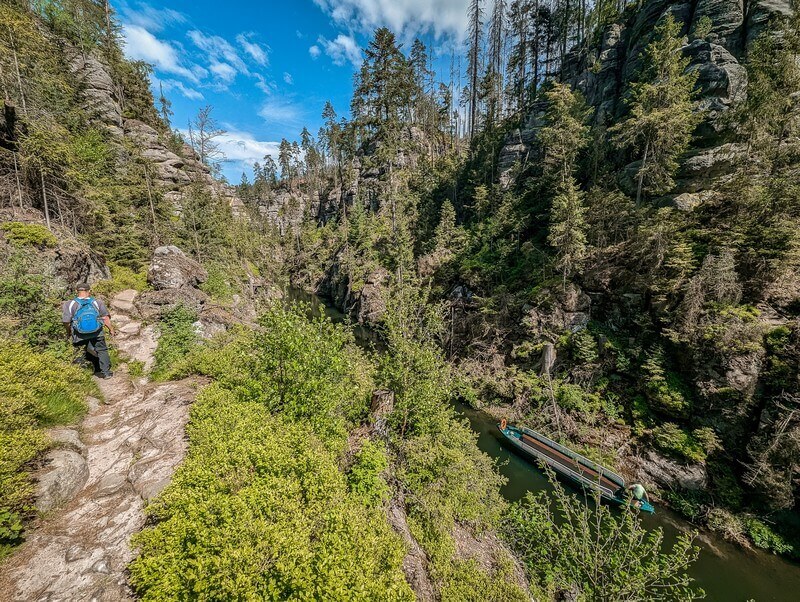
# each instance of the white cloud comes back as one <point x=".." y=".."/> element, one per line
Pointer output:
<point x="218" y="50"/>
<point x="256" y="52"/>
<point x="406" y="17"/>
<point x="142" y="45"/>
<point x="149" y="17"/>
<point x="287" y="77"/>
<point x="342" y="49"/>
<point x="241" y="149"/>
<point x="223" y="71"/>
<point x="280" y="111"/>
<point x="314" y="51"/>
<point x="190" y="93"/>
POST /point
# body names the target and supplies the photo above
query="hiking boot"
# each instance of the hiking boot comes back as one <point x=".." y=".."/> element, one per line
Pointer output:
<point x="106" y="375"/>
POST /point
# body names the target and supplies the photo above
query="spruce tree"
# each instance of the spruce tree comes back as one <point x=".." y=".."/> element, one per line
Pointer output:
<point x="568" y="228"/>
<point x="661" y="119"/>
<point x="565" y="133"/>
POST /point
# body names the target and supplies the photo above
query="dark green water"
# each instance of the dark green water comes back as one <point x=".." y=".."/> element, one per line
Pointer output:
<point x="726" y="572"/>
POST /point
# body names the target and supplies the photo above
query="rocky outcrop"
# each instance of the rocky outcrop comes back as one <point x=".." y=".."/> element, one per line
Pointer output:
<point x="371" y="301"/>
<point x="79" y="264"/>
<point x="97" y="90"/>
<point x="602" y="72"/>
<point x="558" y="310"/>
<point x="172" y="167"/>
<point x="170" y="268"/>
<point x="653" y="468"/>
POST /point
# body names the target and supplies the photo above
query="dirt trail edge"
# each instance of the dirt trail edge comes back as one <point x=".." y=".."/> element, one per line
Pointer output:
<point x="132" y="444"/>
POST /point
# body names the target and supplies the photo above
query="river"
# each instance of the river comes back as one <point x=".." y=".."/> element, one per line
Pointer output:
<point x="725" y="571"/>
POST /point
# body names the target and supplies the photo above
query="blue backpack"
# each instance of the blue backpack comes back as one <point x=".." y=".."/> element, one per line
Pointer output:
<point x="86" y="319"/>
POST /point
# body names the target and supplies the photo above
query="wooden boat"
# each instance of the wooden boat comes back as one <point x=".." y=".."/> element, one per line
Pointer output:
<point x="571" y="465"/>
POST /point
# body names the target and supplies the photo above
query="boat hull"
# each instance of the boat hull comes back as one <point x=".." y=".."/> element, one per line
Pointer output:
<point x="572" y="467"/>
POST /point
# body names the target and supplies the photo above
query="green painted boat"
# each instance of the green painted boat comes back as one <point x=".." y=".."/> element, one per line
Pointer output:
<point x="571" y="465"/>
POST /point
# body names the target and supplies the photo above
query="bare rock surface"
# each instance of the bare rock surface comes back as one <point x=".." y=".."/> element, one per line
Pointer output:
<point x="415" y="563"/>
<point x="133" y="443"/>
<point x="171" y="268"/>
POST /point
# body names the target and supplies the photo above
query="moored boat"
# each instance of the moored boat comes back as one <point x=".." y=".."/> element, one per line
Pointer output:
<point x="569" y="464"/>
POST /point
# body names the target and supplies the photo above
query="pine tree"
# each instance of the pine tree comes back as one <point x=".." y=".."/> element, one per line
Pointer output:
<point x="568" y="228"/>
<point x="661" y="119"/>
<point x="770" y="116"/>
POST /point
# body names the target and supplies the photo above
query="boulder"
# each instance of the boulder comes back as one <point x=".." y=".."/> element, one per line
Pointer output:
<point x="63" y="477"/>
<point x="68" y="438"/>
<point x="79" y="264"/>
<point x="668" y="474"/>
<point x="151" y="304"/>
<point x="172" y="269"/>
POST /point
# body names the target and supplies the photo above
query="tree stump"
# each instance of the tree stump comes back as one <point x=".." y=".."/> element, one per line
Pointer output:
<point x="382" y="405"/>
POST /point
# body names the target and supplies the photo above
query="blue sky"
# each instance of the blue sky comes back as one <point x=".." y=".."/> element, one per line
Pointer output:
<point x="268" y="67"/>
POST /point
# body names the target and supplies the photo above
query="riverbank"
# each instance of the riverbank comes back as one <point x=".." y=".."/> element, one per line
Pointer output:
<point x="758" y="575"/>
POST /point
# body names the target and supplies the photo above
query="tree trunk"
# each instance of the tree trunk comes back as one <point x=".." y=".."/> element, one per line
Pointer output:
<point x="44" y="200"/>
<point x="19" y="186"/>
<point x="16" y="67"/>
<point x="152" y="206"/>
<point x="641" y="174"/>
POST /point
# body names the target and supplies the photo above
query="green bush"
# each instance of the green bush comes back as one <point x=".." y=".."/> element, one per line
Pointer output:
<point x="680" y="444"/>
<point x="565" y="543"/>
<point x="29" y="301"/>
<point x="218" y="286"/>
<point x="177" y="337"/>
<point x="764" y="537"/>
<point x="122" y="278"/>
<point x="665" y="390"/>
<point x="260" y="511"/>
<point x="25" y="235"/>
<point x="365" y="477"/>
<point x="38" y="390"/>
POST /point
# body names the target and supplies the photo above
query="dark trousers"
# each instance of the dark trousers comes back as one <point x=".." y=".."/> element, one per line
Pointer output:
<point x="95" y="351"/>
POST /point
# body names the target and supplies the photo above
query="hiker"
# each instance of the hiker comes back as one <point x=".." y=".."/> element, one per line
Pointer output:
<point x="639" y="494"/>
<point x="84" y="318"/>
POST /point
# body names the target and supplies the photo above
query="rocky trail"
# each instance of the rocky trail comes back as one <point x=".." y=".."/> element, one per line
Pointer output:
<point x="93" y="485"/>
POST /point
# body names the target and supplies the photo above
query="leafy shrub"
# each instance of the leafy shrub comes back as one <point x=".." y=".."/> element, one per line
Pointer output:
<point x="37" y="390"/>
<point x="122" y="278"/>
<point x="28" y="302"/>
<point x="218" y="285"/>
<point x="259" y="510"/>
<point x="764" y="537"/>
<point x="177" y="338"/>
<point x="23" y="235"/>
<point x="365" y="477"/>
<point x="565" y="543"/>
<point x="678" y="443"/>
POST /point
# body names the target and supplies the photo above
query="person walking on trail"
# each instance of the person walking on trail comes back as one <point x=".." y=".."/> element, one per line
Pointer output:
<point x="84" y="318"/>
<point x="639" y="493"/>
